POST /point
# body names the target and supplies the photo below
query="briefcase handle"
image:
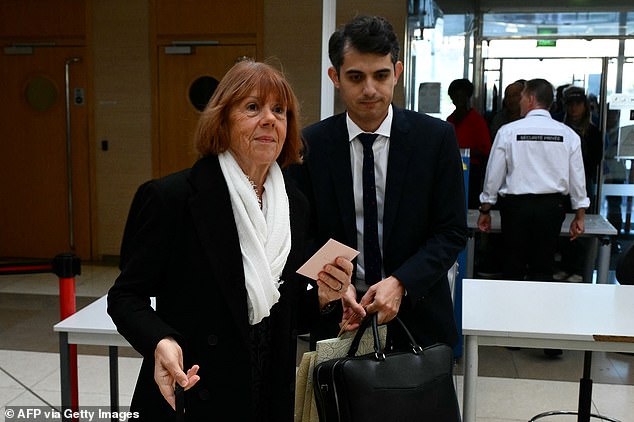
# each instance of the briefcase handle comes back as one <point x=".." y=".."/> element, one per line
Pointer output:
<point x="370" y="320"/>
<point x="373" y="320"/>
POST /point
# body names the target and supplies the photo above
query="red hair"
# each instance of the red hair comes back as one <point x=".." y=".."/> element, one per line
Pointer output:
<point x="212" y="133"/>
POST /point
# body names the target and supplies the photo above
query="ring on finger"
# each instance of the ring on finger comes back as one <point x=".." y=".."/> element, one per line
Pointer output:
<point x="340" y="287"/>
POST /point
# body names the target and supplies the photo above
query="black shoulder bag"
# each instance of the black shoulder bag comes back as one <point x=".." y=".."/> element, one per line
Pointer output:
<point x="404" y="386"/>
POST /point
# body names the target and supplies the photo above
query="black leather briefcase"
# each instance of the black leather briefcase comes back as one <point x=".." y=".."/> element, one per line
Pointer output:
<point x="409" y="386"/>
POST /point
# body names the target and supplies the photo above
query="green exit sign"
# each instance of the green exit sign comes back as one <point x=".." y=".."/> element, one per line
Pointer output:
<point x="546" y="43"/>
<point x="551" y="30"/>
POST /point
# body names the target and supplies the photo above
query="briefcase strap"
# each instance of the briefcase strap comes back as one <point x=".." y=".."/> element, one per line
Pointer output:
<point x="373" y="321"/>
<point x="415" y="346"/>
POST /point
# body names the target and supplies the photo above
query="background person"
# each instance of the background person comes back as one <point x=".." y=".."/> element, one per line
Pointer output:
<point x="578" y="117"/>
<point x="535" y="162"/>
<point x="472" y="132"/>
<point x="510" y="107"/>
<point x="490" y="245"/>
<point x="218" y="246"/>
<point x="419" y="226"/>
<point x="535" y="167"/>
<point x="558" y="108"/>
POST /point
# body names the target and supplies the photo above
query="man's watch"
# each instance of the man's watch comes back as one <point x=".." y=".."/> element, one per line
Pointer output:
<point x="484" y="211"/>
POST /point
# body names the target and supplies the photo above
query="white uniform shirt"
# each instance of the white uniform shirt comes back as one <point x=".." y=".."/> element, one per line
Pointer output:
<point x="381" y="149"/>
<point x="536" y="155"/>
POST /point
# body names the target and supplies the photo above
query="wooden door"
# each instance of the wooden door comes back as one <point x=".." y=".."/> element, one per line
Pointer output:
<point x="187" y="74"/>
<point x="35" y="200"/>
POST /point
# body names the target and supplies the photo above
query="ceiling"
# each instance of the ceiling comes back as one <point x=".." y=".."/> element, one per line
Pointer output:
<point x="534" y="6"/>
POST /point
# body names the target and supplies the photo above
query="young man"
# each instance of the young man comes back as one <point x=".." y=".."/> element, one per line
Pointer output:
<point x="399" y="199"/>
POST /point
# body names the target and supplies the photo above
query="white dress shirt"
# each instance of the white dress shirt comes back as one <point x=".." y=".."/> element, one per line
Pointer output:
<point x="536" y="155"/>
<point x="380" y="148"/>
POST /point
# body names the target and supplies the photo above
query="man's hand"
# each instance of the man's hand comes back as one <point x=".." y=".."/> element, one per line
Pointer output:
<point x="577" y="227"/>
<point x="384" y="298"/>
<point x="353" y="312"/>
<point x="484" y="223"/>
<point x="168" y="369"/>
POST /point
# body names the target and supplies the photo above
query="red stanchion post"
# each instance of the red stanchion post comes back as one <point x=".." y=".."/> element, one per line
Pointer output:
<point x="68" y="306"/>
<point x="66" y="266"/>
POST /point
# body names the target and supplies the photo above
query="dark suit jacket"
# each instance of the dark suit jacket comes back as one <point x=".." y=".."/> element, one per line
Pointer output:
<point x="181" y="245"/>
<point x="424" y="222"/>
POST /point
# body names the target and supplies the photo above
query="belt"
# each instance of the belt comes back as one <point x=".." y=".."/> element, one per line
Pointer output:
<point x="534" y="195"/>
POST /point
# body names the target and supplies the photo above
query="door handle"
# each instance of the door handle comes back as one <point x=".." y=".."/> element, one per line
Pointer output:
<point x="69" y="157"/>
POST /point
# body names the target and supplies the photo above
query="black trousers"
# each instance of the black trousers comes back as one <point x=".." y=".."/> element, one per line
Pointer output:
<point x="531" y="225"/>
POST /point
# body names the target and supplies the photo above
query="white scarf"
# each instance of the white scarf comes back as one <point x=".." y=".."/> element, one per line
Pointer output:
<point x="264" y="234"/>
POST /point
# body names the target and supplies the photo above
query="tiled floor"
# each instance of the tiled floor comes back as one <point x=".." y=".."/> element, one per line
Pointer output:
<point x="514" y="385"/>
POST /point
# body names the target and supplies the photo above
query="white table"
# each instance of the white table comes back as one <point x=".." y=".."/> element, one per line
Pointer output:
<point x="571" y="316"/>
<point x="90" y="325"/>
<point x="596" y="227"/>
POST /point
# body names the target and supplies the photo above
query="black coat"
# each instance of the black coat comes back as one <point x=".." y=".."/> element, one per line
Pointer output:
<point x="424" y="221"/>
<point x="181" y="246"/>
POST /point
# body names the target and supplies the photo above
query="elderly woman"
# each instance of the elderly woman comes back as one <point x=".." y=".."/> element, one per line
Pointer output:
<point x="218" y="246"/>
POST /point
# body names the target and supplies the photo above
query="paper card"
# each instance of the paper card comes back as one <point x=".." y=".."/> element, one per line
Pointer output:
<point x="326" y="255"/>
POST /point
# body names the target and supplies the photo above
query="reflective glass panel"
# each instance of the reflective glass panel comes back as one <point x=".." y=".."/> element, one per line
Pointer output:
<point x="564" y="24"/>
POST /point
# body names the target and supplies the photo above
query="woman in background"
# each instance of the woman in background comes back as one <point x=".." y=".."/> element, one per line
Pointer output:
<point x="473" y="133"/>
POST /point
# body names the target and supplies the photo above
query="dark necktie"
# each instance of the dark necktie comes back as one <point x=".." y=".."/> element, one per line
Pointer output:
<point x="371" y="251"/>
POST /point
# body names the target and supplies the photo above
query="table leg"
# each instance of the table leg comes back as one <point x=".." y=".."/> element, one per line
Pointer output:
<point x="470" y="379"/>
<point x="628" y="212"/>
<point x="585" y="389"/>
<point x="470" y="254"/>
<point x="603" y="268"/>
<point x="114" y="380"/>
<point x="592" y="252"/>
<point x="64" y="369"/>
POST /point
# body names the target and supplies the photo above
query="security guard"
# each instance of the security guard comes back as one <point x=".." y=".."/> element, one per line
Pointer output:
<point x="534" y="163"/>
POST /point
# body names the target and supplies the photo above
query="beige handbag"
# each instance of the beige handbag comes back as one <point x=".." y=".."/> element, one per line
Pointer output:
<point x="305" y="406"/>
